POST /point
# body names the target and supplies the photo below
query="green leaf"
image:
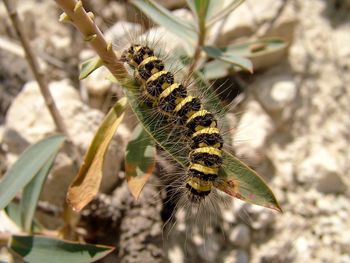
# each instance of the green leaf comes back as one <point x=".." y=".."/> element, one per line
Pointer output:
<point x="31" y="193"/>
<point x="227" y="56"/>
<point x="200" y="8"/>
<point x="89" y="66"/>
<point x="139" y="160"/>
<point x="219" y="9"/>
<point x="262" y="52"/>
<point x="165" y="18"/>
<point x="216" y="69"/>
<point x="13" y="210"/>
<point x="34" y="249"/>
<point x="235" y="178"/>
<point x="155" y="127"/>
<point x="240" y="181"/>
<point x="87" y="182"/>
<point x="27" y="166"/>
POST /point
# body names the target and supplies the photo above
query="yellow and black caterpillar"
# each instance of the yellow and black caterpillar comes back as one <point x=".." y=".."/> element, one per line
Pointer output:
<point x="172" y="100"/>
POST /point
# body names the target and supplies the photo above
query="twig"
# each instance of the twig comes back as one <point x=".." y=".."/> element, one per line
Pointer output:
<point x="40" y="77"/>
<point x="84" y="22"/>
<point x="17" y="50"/>
<point x="199" y="46"/>
<point x="196" y="57"/>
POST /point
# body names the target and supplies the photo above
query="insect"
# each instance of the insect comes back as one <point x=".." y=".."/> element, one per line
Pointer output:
<point x="171" y="99"/>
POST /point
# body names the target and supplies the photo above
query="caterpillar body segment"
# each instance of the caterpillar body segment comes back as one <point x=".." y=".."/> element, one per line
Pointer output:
<point x="158" y="82"/>
<point x="171" y="97"/>
<point x="207" y="137"/>
<point x="186" y="108"/>
<point x="173" y="101"/>
<point x="200" y="120"/>
<point x="207" y="156"/>
<point x="148" y="67"/>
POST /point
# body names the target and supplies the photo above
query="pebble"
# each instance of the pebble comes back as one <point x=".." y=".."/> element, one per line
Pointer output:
<point x="240" y="236"/>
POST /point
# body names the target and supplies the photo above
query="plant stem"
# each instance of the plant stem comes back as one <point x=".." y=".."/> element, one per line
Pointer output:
<point x="39" y="76"/>
<point x="84" y="22"/>
<point x="196" y="57"/>
<point x="199" y="46"/>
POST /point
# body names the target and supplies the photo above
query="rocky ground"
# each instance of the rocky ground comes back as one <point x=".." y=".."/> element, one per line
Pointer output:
<point x="294" y="128"/>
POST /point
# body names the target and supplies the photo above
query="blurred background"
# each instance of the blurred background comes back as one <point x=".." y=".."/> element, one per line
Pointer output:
<point x="291" y="124"/>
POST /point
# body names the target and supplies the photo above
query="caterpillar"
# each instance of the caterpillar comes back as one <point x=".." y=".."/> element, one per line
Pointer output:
<point x="172" y="100"/>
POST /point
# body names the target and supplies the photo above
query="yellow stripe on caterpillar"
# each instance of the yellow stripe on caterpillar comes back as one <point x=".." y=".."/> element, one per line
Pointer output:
<point x="198" y="113"/>
<point x="204" y="169"/>
<point x="169" y="90"/>
<point x="156" y="76"/>
<point x="137" y="48"/>
<point x="210" y="150"/>
<point x="149" y="59"/>
<point x="183" y="103"/>
<point x="210" y="130"/>
<point x="199" y="184"/>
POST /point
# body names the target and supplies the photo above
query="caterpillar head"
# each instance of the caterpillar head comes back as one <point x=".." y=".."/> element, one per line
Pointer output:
<point x="135" y="54"/>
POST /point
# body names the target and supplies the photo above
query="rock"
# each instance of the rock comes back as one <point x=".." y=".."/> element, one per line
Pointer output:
<point x="257" y="217"/>
<point x="343" y="239"/>
<point x="176" y="255"/>
<point x="237" y="256"/>
<point x="252" y="132"/>
<point x="244" y="21"/>
<point x="97" y="86"/>
<point x="277" y="92"/>
<point x="122" y="33"/>
<point x="321" y="169"/>
<point x="210" y="249"/>
<point x="303" y="247"/>
<point x="240" y="236"/>
<point x="345" y="259"/>
<point x="331" y="183"/>
<point x="29" y="117"/>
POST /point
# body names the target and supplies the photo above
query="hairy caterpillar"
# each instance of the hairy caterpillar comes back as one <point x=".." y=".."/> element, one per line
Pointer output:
<point x="172" y="100"/>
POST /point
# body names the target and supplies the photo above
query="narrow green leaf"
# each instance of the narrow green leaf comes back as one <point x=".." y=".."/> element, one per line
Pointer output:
<point x="201" y="10"/>
<point x="239" y="181"/>
<point x="34" y="249"/>
<point x="202" y="6"/>
<point x="262" y="52"/>
<point x="89" y="66"/>
<point x="219" y="9"/>
<point x="235" y="178"/>
<point x="227" y="56"/>
<point x="216" y="69"/>
<point x="27" y="166"/>
<point x="31" y="193"/>
<point x="87" y="182"/>
<point x="139" y="160"/>
<point x="156" y="128"/>
<point x="13" y="210"/>
<point x="165" y="18"/>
